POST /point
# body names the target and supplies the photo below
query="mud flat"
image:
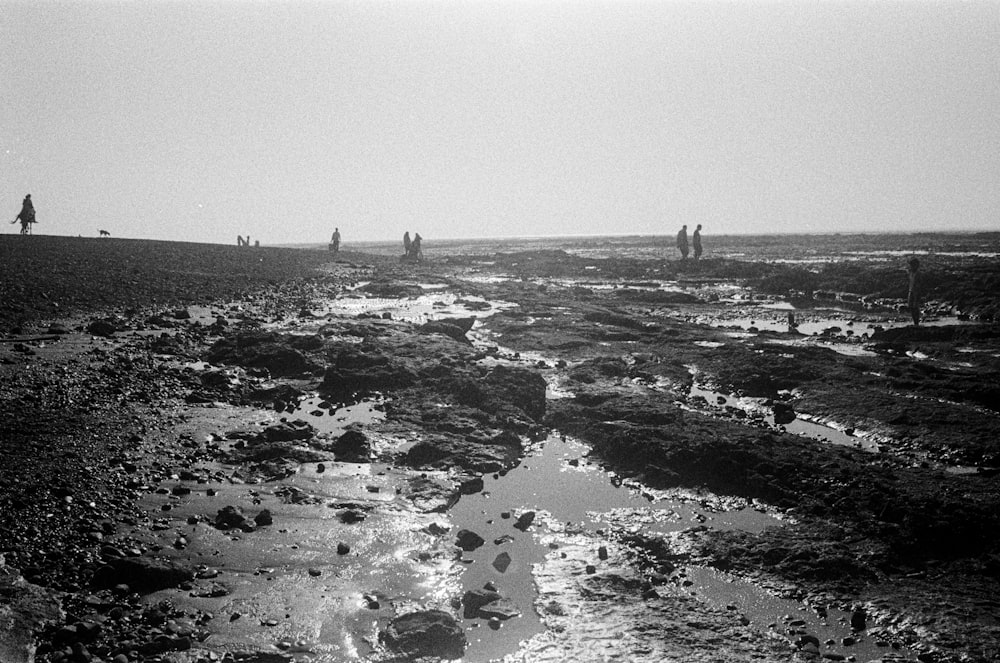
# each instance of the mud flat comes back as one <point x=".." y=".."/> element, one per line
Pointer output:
<point x="534" y="456"/>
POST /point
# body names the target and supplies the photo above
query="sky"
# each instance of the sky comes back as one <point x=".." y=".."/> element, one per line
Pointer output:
<point x="198" y="121"/>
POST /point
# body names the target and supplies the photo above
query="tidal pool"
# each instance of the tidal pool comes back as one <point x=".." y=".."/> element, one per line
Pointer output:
<point x="562" y="487"/>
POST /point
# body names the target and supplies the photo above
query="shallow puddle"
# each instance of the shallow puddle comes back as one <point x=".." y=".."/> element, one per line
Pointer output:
<point x="716" y="400"/>
<point x="333" y="419"/>
<point x="560" y="486"/>
<point x="418" y="310"/>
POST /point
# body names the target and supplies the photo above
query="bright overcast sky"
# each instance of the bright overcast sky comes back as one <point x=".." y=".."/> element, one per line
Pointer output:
<point x="281" y="120"/>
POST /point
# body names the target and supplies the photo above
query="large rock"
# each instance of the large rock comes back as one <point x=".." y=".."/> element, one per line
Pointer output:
<point x="286" y="431"/>
<point x="24" y="609"/>
<point x="353" y="447"/>
<point x="444" y="327"/>
<point x="429" y="633"/>
<point x="281" y="355"/>
<point x="474" y="599"/>
<point x="353" y="372"/>
<point x="468" y="540"/>
<point x="142" y="574"/>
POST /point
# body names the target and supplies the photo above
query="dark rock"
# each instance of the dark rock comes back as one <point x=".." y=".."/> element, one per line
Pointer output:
<point x="446" y="328"/>
<point x="102" y="328"/>
<point x="502" y="562"/>
<point x="474" y="599"/>
<point x="231" y="517"/>
<point x="288" y="431"/>
<point x="859" y="619"/>
<point x="264" y="518"/>
<point x="142" y="574"/>
<point x="269" y="350"/>
<point x="524" y="521"/>
<point x="783" y="413"/>
<point x="468" y="540"/>
<point x="353" y="447"/>
<point x="428" y="633"/>
<point x="343" y="548"/>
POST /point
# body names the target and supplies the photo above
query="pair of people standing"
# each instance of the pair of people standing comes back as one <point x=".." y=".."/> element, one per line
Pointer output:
<point x="682" y="242"/>
<point x="411" y="248"/>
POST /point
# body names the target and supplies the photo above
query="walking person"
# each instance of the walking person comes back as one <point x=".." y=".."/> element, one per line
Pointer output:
<point x="26" y="216"/>
<point x="696" y="242"/>
<point x="913" y="297"/>
<point x="406" y="243"/>
<point x="335" y="241"/>
<point x="682" y="242"/>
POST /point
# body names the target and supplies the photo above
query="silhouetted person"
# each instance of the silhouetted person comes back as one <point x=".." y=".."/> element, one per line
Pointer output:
<point x="406" y="243"/>
<point x="682" y="242"/>
<point x="335" y="241"/>
<point x="26" y="216"/>
<point x="415" y="251"/>
<point x="913" y="298"/>
<point x="696" y="242"/>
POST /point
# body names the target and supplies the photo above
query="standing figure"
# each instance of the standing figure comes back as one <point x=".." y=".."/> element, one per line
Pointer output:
<point x="682" y="242"/>
<point x="335" y="241"/>
<point x="415" y="251"/>
<point x="913" y="298"/>
<point x="406" y="243"/>
<point x="696" y="242"/>
<point x="26" y="216"/>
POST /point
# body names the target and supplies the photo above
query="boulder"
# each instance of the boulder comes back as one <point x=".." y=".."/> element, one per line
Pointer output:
<point x="468" y="540"/>
<point x="102" y="328"/>
<point x="142" y="574"/>
<point x="353" y="447"/>
<point x="446" y="328"/>
<point x="474" y="599"/>
<point x="432" y="633"/>
<point x="783" y="413"/>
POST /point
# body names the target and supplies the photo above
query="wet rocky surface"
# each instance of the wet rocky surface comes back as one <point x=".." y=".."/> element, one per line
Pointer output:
<point x="523" y="456"/>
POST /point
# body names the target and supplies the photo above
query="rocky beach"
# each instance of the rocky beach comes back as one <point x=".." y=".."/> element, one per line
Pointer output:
<point x="533" y="453"/>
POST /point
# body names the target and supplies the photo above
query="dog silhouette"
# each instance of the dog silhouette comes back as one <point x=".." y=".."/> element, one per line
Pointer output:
<point x="104" y="233"/>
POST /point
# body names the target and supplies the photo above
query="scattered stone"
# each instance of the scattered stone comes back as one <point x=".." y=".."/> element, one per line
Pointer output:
<point x="502" y="609"/>
<point x="524" y="521"/>
<point x="264" y="518"/>
<point x="468" y="540"/>
<point x="232" y="517"/>
<point x="343" y="548"/>
<point x="502" y="562"/>
<point x="474" y="599"/>
<point x="859" y="619"/>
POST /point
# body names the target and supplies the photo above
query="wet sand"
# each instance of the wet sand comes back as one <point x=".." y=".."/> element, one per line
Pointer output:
<point x="717" y="468"/>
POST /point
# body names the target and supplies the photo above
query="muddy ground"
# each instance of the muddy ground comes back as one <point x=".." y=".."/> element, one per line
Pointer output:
<point x="142" y="380"/>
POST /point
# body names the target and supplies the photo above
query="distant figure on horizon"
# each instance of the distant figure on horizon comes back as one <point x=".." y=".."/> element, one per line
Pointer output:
<point x="26" y="216"/>
<point x="415" y="251"/>
<point x="696" y="242"/>
<point x="335" y="241"/>
<point x="242" y="242"/>
<point x="406" y="243"/>
<point x="913" y="297"/>
<point x="682" y="242"/>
